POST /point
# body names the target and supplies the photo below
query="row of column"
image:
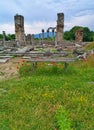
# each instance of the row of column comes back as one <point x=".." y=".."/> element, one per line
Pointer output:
<point x="20" y="36"/>
<point x="19" y="28"/>
<point x="47" y="33"/>
<point x="30" y="38"/>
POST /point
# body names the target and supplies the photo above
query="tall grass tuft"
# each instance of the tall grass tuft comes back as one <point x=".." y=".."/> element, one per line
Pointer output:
<point x="63" y="122"/>
<point x="89" y="46"/>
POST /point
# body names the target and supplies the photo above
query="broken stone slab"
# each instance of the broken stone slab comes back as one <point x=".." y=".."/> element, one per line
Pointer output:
<point x="3" y="57"/>
<point x="77" y="52"/>
<point x="47" y="53"/>
<point x="1" y="48"/>
<point x="25" y="49"/>
<point x="59" y="49"/>
<point x="4" y="60"/>
<point x="26" y="57"/>
<point x="90" y="52"/>
<point x="77" y="45"/>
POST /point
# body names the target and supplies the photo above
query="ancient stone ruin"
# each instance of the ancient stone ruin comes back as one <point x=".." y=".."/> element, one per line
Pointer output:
<point x="60" y="27"/>
<point x="28" y="45"/>
<point x="79" y="35"/>
<point x="4" y="34"/>
<point x="19" y="29"/>
<point x="22" y="39"/>
<point x="56" y="34"/>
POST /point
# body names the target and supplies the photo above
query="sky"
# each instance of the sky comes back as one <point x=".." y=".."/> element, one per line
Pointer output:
<point x="42" y="14"/>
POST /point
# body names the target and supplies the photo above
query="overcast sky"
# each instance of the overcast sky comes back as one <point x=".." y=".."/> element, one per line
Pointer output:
<point x="41" y="14"/>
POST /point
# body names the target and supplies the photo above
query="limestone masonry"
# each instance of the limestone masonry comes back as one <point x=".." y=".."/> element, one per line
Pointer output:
<point x="60" y="27"/>
<point x="19" y="28"/>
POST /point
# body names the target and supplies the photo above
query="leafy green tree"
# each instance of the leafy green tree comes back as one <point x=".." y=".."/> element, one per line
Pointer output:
<point x="68" y="35"/>
<point x="87" y="34"/>
<point x="10" y="37"/>
<point x="1" y="36"/>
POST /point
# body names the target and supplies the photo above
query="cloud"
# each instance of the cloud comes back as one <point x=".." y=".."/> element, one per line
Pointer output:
<point x="85" y="21"/>
<point x="36" y="27"/>
<point x="33" y="28"/>
<point x="8" y="28"/>
<point x="45" y="12"/>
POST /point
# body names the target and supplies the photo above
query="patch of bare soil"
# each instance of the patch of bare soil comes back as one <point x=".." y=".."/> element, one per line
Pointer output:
<point x="9" y="69"/>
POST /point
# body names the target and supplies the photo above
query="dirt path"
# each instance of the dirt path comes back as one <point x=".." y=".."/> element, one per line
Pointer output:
<point x="9" y="69"/>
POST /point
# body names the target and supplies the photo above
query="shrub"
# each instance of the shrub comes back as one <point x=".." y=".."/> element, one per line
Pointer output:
<point x="63" y="123"/>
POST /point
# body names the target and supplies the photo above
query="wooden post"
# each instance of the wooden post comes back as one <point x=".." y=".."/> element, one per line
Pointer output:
<point x="66" y="66"/>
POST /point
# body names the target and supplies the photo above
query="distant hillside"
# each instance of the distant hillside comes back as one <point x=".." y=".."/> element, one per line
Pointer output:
<point x="45" y="35"/>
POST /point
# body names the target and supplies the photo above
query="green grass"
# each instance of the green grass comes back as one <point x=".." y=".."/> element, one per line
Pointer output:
<point x="49" y="99"/>
<point x="63" y="122"/>
<point x="89" y="46"/>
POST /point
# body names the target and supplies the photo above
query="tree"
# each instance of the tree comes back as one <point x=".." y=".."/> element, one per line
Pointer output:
<point x="10" y="37"/>
<point x="1" y="36"/>
<point x="87" y="34"/>
<point x="68" y="35"/>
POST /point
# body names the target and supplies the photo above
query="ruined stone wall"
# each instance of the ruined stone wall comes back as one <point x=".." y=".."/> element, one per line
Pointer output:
<point x="30" y="39"/>
<point x="79" y="36"/>
<point x="8" y="43"/>
<point x="1" y="42"/>
<point x="60" y="27"/>
<point x="19" y="28"/>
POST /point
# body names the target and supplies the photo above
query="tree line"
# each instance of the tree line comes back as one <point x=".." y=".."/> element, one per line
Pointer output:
<point x="88" y="35"/>
<point x="8" y="37"/>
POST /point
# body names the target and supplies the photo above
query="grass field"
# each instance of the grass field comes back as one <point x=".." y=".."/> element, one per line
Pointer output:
<point x="49" y="98"/>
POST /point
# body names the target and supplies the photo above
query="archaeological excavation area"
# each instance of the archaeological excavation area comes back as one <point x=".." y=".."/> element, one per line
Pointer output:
<point x="42" y="49"/>
<point x="46" y="82"/>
